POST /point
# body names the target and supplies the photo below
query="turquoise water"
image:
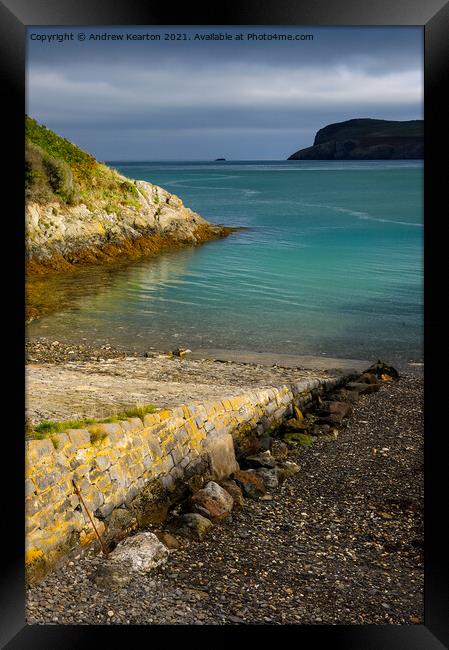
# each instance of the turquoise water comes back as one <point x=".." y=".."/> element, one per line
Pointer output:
<point x="331" y="264"/>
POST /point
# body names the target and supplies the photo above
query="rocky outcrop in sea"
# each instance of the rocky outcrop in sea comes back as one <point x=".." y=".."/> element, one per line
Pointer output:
<point x="366" y="139"/>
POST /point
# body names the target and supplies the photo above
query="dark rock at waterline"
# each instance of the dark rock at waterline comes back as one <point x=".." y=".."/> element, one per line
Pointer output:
<point x="348" y="395"/>
<point x="378" y="369"/>
<point x="121" y="523"/>
<point x="266" y="443"/>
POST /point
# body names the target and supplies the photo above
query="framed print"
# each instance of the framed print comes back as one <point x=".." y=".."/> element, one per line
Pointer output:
<point x="228" y="299"/>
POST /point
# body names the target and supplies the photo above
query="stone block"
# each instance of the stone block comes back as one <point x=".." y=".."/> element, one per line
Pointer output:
<point x="119" y="474"/>
<point x="220" y="454"/>
<point x="37" y="449"/>
<point x="177" y="454"/>
<point x="44" y="481"/>
<point x="103" y="462"/>
<point x="150" y="419"/>
<point x="30" y="488"/>
<point x="79" y="438"/>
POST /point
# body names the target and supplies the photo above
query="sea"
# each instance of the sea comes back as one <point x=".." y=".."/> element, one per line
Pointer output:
<point x="330" y="263"/>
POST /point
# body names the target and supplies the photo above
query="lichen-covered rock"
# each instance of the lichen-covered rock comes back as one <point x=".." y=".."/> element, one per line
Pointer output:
<point x="141" y="552"/>
<point x="195" y="524"/>
<point x="120" y="523"/>
<point x="212" y="501"/>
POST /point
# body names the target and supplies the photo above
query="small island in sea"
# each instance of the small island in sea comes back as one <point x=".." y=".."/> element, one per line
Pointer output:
<point x="366" y="139"/>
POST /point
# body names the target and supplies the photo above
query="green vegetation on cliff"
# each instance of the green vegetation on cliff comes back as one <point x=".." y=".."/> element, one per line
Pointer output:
<point x="57" y="170"/>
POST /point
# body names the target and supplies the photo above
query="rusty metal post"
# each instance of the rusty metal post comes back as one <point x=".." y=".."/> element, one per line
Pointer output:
<point x="78" y="493"/>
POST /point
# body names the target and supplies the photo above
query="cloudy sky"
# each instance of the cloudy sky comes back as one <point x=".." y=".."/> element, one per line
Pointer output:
<point x="198" y="100"/>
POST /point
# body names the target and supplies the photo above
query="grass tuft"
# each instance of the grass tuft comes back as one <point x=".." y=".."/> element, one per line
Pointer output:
<point x="49" y="427"/>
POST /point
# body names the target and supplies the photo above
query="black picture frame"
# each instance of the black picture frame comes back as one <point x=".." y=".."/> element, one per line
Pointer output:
<point x="433" y="15"/>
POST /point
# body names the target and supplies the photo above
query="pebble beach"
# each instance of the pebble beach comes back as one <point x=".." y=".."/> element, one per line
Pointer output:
<point x="340" y="542"/>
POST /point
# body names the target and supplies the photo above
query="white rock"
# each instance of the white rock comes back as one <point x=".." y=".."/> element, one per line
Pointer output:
<point x="141" y="552"/>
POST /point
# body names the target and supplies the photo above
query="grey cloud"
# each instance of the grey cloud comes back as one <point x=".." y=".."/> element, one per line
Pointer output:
<point x="175" y="97"/>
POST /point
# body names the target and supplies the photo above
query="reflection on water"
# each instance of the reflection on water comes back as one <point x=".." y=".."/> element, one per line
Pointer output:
<point x="103" y="287"/>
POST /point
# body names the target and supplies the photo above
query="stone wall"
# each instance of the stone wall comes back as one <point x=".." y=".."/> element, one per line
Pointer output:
<point x="126" y="471"/>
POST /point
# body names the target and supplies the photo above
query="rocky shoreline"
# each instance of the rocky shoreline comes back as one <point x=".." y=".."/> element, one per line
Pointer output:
<point x="339" y="541"/>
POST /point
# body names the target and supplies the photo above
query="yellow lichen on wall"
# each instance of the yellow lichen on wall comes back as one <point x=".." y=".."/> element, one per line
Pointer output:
<point x="113" y="463"/>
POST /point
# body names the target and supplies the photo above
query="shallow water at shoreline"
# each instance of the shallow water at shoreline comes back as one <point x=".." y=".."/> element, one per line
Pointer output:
<point x="331" y="265"/>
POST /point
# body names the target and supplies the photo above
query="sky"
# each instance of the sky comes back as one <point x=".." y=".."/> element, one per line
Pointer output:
<point x="199" y="99"/>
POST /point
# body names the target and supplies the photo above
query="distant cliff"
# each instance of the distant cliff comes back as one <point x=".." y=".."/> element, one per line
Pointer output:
<point x="79" y="210"/>
<point x="366" y="139"/>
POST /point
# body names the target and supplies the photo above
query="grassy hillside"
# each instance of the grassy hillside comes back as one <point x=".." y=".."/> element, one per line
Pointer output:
<point x="57" y="170"/>
<point x="365" y="128"/>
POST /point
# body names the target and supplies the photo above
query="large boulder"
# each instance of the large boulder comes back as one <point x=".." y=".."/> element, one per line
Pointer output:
<point x="212" y="501"/>
<point x="141" y="552"/>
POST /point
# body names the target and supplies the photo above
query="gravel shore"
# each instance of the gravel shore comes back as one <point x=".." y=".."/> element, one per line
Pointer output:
<point x="341" y="542"/>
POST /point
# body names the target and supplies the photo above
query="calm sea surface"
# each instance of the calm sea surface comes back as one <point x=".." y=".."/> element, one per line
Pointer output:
<point x="331" y="264"/>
